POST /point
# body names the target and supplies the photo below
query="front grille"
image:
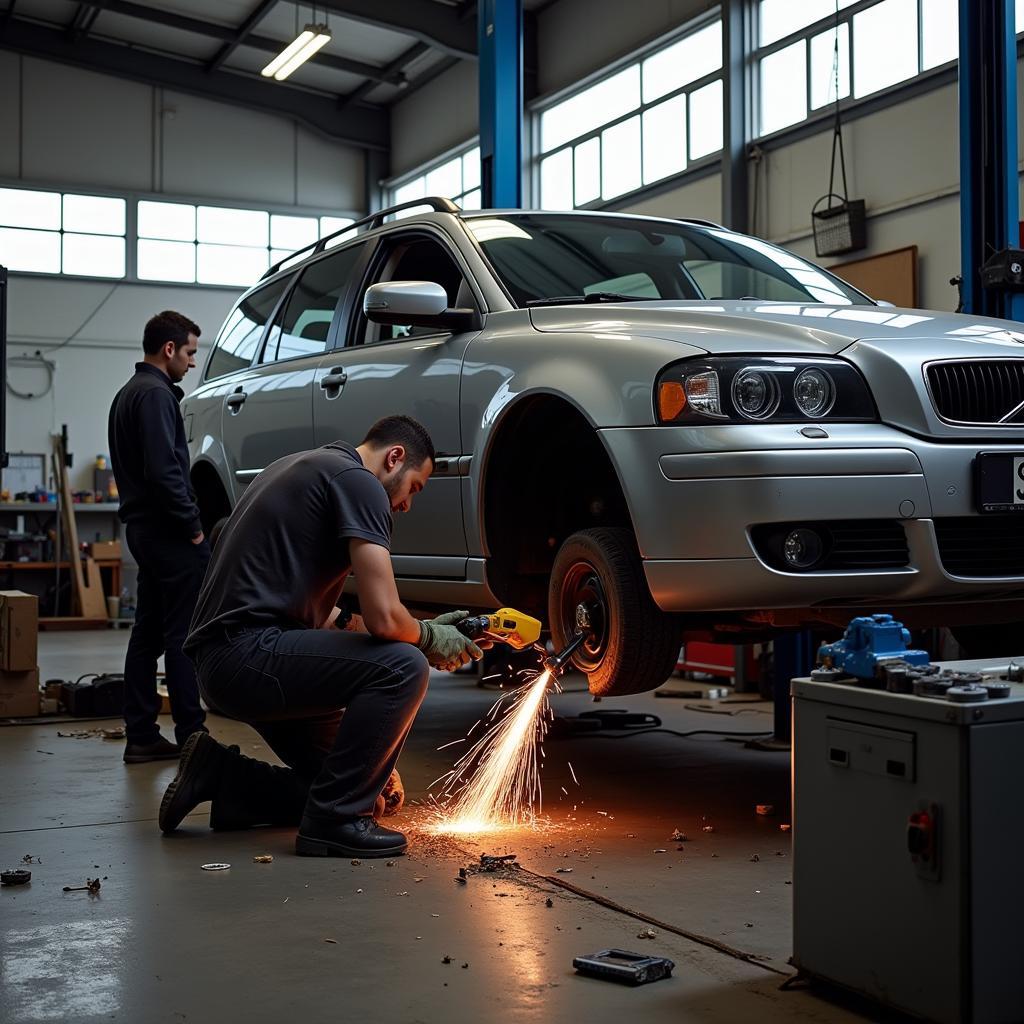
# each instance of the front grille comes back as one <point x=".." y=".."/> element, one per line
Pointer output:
<point x="981" y="545"/>
<point x="978" y="390"/>
<point x="863" y="544"/>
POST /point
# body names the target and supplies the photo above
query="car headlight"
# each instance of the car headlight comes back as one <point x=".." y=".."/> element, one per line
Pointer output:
<point x="762" y="389"/>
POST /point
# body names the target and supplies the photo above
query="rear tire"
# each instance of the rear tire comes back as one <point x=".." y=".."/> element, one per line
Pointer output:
<point x="635" y="644"/>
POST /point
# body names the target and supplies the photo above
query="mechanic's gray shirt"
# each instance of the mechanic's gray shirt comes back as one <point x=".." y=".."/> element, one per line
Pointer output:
<point x="283" y="556"/>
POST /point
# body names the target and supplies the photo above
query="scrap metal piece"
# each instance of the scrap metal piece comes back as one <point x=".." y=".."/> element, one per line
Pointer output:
<point x="765" y="810"/>
<point x="215" y="867"/>
<point x="263" y="858"/>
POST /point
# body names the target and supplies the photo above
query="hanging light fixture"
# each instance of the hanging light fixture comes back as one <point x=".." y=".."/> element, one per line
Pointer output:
<point x="313" y="38"/>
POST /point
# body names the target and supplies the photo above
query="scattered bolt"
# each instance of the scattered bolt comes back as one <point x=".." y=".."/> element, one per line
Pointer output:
<point x="647" y="933"/>
<point x="549" y="902"/>
<point x="446" y="959"/>
<point x="564" y="871"/>
<point x="661" y="851"/>
<point x="356" y="863"/>
<point x="755" y="858"/>
<point x="264" y="858"/>
<point x="677" y="836"/>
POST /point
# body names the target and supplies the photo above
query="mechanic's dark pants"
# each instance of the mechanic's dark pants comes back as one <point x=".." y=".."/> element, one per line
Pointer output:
<point x="170" y="574"/>
<point x="334" y="706"/>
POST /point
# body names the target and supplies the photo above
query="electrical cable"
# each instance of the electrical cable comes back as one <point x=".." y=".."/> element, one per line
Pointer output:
<point x="88" y="320"/>
<point x="672" y="732"/>
<point x="37" y="360"/>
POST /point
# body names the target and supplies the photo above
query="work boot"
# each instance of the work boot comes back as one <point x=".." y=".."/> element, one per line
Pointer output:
<point x="251" y="792"/>
<point x="161" y="750"/>
<point x="391" y="799"/>
<point x="197" y="779"/>
<point x="348" y="837"/>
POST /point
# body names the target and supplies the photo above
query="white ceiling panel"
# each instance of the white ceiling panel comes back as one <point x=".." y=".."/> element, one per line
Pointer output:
<point x="224" y="12"/>
<point x="171" y="41"/>
<point x="350" y="38"/>
<point x="57" y="12"/>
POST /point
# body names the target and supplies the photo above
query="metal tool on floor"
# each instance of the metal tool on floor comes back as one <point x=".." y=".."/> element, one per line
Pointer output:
<point x="622" y="966"/>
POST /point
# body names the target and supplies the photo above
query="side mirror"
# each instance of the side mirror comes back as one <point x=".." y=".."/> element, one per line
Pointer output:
<point x="416" y="303"/>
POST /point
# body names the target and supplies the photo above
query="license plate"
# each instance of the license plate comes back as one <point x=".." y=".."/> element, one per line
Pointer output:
<point x="999" y="481"/>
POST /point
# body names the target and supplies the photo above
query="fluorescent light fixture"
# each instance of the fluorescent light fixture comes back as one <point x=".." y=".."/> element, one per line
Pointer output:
<point x="311" y="39"/>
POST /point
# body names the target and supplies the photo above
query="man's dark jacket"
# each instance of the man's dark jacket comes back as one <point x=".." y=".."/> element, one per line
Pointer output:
<point x="150" y="455"/>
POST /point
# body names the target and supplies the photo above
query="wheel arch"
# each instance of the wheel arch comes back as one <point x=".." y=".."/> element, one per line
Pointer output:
<point x="211" y="494"/>
<point x="546" y="472"/>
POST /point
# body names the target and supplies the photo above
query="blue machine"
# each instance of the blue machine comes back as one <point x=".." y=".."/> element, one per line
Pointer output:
<point x="868" y="640"/>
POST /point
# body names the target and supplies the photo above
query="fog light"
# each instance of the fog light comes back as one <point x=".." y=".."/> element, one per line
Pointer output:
<point x="802" y="548"/>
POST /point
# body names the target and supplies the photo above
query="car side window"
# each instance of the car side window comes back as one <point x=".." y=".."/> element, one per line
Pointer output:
<point x="240" y="336"/>
<point x="303" y="325"/>
<point x="416" y="258"/>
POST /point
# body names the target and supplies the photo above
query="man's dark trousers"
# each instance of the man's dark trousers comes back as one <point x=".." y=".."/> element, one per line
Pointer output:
<point x="336" y="708"/>
<point x="170" y="574"/>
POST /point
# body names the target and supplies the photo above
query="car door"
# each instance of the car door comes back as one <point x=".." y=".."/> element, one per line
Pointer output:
<point x="269" y="413"/>
<point x="385" y="370"/>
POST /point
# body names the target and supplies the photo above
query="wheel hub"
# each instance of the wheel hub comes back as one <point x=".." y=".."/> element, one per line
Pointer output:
<point x="584" y="609"/>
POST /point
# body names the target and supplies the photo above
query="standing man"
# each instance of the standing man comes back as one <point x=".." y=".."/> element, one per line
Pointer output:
<point x="335" y="705"/>
<point x="158" y="507"/>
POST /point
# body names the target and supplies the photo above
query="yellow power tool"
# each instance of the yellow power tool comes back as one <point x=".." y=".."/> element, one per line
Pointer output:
<point x="506" y="625"/>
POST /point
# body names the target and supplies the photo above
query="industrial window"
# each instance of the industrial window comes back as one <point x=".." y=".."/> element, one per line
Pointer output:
<point x="455" y="177"/>
<point x="62" y="233"/>
<point x="218" y="244"/>
<point x="800" y="65"/>
<point x="639" y="124"/>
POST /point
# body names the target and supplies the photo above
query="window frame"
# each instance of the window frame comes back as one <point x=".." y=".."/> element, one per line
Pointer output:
<point x="460" y="152"/>
<point x="341" y="307"/>
<point x="384" y="243"/>
<point x="131" y="235"/>
<point x="924" y="79"/>
<point x="695" y="168"/>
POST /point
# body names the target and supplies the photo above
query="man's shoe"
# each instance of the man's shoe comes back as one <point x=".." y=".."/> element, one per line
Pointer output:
<point x="162" y="750"/>
<point x="202" y="761"/>
<point x="356" y="837"/>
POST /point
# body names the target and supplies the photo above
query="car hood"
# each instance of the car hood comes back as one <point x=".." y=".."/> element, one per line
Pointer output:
<point x="763" y="327"/>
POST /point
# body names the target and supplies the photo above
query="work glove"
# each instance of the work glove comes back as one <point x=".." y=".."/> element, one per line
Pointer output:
<point x="445" y="647"/>
<point x="391" y="798"/>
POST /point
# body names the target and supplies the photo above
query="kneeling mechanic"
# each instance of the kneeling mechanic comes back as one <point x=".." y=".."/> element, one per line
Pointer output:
<point x="335" y="705"/>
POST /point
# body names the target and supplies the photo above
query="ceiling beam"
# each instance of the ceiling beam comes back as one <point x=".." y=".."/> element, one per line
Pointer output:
<point x="84" y="19"/>
<point x="244" y="30"/>
<point x="438" y="25"/>
<point x="358" y="125"/>
<point x="396" y="67"/>
<point x="226" y="34"/>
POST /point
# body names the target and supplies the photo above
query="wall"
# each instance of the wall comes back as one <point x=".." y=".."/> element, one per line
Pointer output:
<point x="442" y="114"/>
<point x="59" y="130"/>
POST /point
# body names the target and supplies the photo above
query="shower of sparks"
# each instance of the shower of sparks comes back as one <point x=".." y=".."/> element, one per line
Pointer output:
<point x="574" y="779"/>
<point x="496" y="783"/>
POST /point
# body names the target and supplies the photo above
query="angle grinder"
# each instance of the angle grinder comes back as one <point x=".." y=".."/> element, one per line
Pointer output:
<point x="506" y="625"/>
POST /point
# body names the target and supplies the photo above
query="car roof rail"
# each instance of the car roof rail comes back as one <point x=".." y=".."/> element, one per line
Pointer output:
<point x="437" y="203"/>
<point x="702" y="222"/>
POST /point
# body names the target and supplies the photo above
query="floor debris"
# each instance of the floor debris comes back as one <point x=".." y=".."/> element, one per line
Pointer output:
<point x="263" y="858"/>
<point x="333" y="942"/>
<point x="677" y="836"/>
<point x="766" y="810"/>
<point x="446" y="959"/>
<point x="754" y="859"/>
<point x="86" y="734"/>
<point x="356" y="863"/>
<point x="564" y="871"/>
<point x="660" y="850"/>
<point x="785" y="828"/>
<point x="92" y="886"/>
<point x="647" y="933"/>
<point x="215" y="867"/>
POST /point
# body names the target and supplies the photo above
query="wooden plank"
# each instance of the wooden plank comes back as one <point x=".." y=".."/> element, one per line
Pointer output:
<point x="55" y="623"/>
<point x="89" y="599"/>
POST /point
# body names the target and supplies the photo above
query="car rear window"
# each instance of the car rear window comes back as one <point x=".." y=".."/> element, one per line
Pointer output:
<point x="240" y="336"/>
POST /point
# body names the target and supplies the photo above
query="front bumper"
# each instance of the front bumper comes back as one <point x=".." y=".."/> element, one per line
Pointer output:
<point x="695" y="492"/>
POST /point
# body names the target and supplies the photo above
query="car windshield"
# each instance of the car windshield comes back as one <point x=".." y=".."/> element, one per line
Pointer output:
<point x="542" y="257"/>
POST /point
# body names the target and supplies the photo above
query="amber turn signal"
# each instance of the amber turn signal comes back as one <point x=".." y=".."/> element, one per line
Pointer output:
<point x="671" y="400"/>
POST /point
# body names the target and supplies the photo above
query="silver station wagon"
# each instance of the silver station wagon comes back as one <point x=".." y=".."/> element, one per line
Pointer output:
<point x="663" y="427"/>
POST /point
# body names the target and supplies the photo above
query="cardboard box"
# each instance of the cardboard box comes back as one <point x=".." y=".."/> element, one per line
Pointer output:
<point x="19" y="694"/>
<point x="106" y="549"/>
<point x="19" y="631"/>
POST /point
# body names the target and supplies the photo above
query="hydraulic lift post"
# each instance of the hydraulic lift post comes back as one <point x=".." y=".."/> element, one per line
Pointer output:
<point x="500" y="25"/>
<point x="989" y="201"/>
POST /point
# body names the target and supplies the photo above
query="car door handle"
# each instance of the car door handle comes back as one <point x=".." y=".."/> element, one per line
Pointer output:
<point x="334" y="379"/>
<point x="235" y="401"/>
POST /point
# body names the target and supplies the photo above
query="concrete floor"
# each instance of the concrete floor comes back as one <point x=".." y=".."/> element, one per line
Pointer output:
<point x="313" y="940"/>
